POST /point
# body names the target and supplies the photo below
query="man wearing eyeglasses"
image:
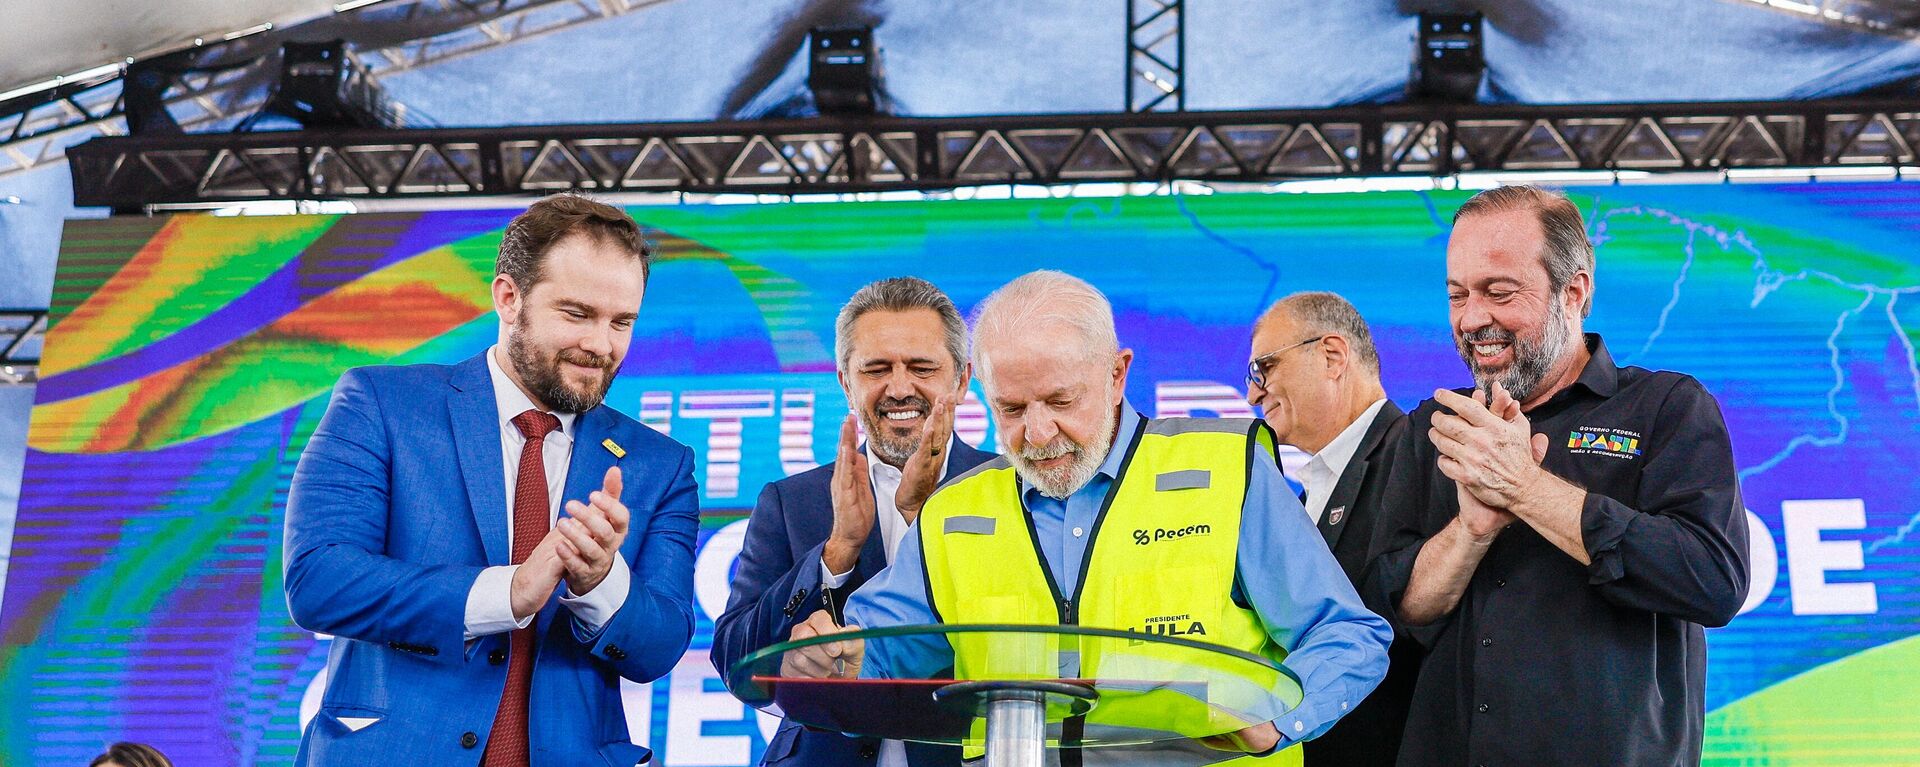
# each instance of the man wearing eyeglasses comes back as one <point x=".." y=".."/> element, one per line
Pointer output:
<point x="1315" y="378"/>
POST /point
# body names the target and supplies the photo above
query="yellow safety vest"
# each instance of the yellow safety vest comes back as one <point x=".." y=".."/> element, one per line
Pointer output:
<point x="1160" y="560"/>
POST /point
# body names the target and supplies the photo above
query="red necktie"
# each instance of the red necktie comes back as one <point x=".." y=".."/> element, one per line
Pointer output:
<point x="507" y="746"/>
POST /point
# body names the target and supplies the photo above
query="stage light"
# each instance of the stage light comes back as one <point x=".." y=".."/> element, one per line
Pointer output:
<point x="1448" y="60"/>
<point x="321" y="86"/>
<point x="143" y="93"/>
<point x="843" y="70"/>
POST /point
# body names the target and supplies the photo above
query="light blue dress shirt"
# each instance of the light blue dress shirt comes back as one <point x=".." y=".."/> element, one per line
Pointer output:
<point x="1284" y="572"/>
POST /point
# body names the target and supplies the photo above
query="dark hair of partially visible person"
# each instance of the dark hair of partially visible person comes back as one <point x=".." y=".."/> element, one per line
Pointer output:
<point x="131" y="755"/>
<point x="532" y="235"/>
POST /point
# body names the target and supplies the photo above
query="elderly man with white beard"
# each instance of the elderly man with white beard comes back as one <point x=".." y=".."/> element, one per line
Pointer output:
<point x="1058" y="531"/>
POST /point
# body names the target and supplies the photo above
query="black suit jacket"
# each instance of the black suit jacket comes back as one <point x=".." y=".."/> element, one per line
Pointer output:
<point x="776" y="585"/>
<point x="1370" y="733"/>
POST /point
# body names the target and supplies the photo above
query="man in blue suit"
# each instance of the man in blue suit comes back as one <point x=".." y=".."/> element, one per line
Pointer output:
<point x="469" y="626"/>
<point x="901" y="349"/>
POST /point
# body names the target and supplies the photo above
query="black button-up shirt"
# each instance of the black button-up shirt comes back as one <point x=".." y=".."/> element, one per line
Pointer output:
<point x="1545" y="660"/>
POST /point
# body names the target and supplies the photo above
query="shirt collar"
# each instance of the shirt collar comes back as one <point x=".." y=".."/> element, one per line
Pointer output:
<point x="511" y="401"/>
<point x="1129" y="425"/>
<point x="1600" y="376"/>
<point x="1339" y="452"/>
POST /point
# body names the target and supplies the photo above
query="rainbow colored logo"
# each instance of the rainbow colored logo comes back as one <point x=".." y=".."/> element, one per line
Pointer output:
<point x="1587" y="440"/>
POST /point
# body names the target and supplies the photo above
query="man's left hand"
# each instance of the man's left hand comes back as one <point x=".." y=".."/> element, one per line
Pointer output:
<point x="1488" y="449"/>
<point x="1250" y="740"/>
<point x="591" y="535"/>
<point x="922" y="473"/>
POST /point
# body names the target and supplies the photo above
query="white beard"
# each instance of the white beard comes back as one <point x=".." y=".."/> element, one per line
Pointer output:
<point x="1066" y="480"/>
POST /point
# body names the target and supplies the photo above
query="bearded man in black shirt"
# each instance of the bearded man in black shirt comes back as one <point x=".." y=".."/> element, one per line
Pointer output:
<point x="1559" y="535"/>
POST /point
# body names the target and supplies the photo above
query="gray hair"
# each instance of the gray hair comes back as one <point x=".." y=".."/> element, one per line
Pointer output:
<point x="900" y="294"/>
<point x="1568" y="250"/>
<point x="1045" y="296"/>
<point x="1323" y="313"/>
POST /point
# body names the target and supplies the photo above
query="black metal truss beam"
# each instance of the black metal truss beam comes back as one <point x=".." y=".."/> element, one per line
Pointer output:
<point x="21" y="333"/>
<point x="1156" y="55"/>
<point x="833" y="155"/>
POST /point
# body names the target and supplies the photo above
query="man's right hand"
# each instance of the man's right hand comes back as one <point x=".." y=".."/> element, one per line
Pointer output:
<point x="536" y="578"/>
<point x="853" y="507"/>
<point x="835" y="660"/>
<point x="1248" y="740"/>
<point x="1483" y="522"/>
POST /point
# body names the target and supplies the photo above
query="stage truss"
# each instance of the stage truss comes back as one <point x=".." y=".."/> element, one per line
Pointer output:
<point x="884" y="154"/>
<point x="1156" y="55"/>
<point x="21" y="333"/>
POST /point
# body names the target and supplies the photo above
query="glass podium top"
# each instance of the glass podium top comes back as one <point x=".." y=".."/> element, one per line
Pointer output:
<point x="935" y="683"/>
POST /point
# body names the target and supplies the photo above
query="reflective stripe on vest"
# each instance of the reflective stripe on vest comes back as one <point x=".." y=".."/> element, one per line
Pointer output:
<point x="1160" y="560"/>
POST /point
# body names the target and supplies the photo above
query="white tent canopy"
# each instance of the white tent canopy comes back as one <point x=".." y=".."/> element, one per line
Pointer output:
<point x="707" y="59"/>
<point x="45" y="39"/>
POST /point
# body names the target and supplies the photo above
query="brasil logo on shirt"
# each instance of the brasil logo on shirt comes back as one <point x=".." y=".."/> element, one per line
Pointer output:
<point x="1591" y="440"/>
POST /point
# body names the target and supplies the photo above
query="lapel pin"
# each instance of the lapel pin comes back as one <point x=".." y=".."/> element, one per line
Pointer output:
<point x="613" y="447"/>
<point x="1333" y="517"/>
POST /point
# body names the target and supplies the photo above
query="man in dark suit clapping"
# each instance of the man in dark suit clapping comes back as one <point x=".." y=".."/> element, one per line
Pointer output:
<point x="901" y="350"/>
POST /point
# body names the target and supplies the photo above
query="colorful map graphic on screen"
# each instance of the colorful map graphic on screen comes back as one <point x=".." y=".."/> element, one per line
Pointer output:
<point x="191" y="355"/>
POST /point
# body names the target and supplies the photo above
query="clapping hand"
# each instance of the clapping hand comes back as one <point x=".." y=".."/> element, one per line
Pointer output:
<point x="922" y="473"/>
<point x="1489" y="449"/>
<point x="1491" y="454"/>
<point x="591" y="534"/>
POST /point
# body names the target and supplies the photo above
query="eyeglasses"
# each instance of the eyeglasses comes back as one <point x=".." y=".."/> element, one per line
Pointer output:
<point x="1257" y="367"/>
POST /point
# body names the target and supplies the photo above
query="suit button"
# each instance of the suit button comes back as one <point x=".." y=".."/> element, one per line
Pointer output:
<point x="614" y="652"/>
<point x="1500" y="584"/>
<point x="1482" y="708"/>
<point x="497" y="657"/>
<point x="1486" y="642"/>
<point x="868" y="751"/>
<point x="469" y="740"/>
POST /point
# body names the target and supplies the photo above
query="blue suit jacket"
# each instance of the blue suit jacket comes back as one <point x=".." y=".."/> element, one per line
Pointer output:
<point x="397" y="504"/>
<point x="777" y="585"/>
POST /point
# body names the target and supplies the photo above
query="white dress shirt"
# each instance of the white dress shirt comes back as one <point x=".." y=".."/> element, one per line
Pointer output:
<point x="1323" y="470"/>
<point x="893" y="527"/>
<point x="490" y="600"/>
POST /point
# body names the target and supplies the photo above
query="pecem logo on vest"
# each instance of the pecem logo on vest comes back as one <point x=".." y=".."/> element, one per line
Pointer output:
<point x="1143" y="536"/>
<point x="1169" y="626"/>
